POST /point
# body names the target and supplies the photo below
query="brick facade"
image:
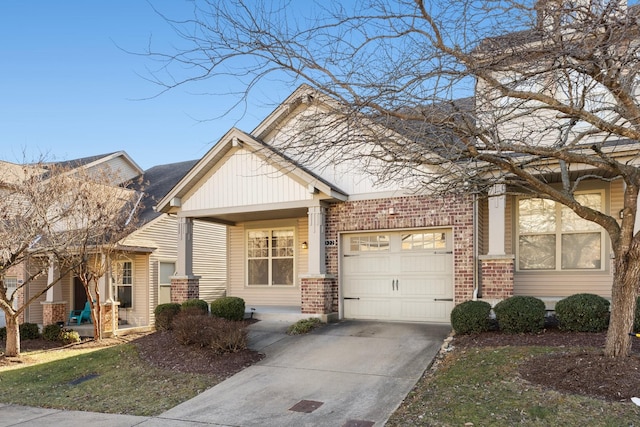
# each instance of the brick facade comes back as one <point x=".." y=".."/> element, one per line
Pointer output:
<point x="184" y="288"/>
<point x="319" y="295"/>
<point x="496" y="277"/>
<point x="410" y="212"/>
<point x="109" y="314"/>
<point x="54" y="312"/>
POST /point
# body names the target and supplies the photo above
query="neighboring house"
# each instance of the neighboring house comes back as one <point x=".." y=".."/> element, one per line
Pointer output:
<point x="144" y="261"/>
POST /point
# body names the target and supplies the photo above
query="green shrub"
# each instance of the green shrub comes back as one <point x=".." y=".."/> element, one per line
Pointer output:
<point x="230" y="308"/>
<point x="164" y="315"/>
<point x="29" y="331"/>
<point x="583" y="313"/>
<point x="196" y="306"/>
<point x="304" y="326"/>
<point x="471" y="317"/>
<point x="520" y="314"/>
<point x="221" y="335"/>
<point x="636" y="319"/>
<point x="3" y="333"/>
<point x="69" y="336"/>
<point x="52" y="332"/>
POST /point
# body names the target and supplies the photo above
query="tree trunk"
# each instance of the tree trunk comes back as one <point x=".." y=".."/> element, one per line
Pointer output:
<point x="12" y="348"/>
<point x="624" y="292"/>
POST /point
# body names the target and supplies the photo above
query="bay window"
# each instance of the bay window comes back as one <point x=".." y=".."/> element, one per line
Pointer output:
<point x="552" y="237"/>
<point x="270" y="257"/>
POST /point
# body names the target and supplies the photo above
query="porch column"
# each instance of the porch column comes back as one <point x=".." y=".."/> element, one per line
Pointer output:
<point x="184" y="285"/>
<point x="497" y="203"/>
<point x="184" y="265"/>
<point x="316" y="250"/>
<point x="54" y="308"/>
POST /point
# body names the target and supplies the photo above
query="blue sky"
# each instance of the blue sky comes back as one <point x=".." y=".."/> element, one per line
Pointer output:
<point x="69" y="90"/>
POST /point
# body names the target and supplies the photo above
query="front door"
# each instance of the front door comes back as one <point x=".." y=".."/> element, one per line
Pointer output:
<point x="79" y="294"/>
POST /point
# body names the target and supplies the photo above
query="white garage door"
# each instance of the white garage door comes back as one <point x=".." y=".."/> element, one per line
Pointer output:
<point x="402" y="276"/>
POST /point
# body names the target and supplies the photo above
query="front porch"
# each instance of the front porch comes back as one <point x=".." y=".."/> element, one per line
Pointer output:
<point x="281" y="313"/>
<point x="85" y="330"/>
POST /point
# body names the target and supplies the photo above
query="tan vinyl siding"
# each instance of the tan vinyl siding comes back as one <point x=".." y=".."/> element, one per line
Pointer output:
<point x="264" y="295"/>
<point x="34" y="311"/>
<point x="119" y="166"/>
<point x="209" y="255"/>
<point x="562" y="285"/>
<point x="616" y="198"/>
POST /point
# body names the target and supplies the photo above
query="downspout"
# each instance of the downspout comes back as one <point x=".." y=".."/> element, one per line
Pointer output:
<point x="476" y="279"/>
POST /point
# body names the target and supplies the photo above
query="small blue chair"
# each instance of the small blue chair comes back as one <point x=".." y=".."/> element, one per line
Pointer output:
<point x="79" y="316"/>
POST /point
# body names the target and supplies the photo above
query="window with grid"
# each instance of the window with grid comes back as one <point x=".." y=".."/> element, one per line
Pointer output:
<point x="270" y="257"/>
<point x="123" y="283"/>
<point x="552" y="237"/>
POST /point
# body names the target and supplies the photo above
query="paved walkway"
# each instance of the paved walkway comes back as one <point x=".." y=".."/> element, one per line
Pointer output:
<point x="347" y="374"/>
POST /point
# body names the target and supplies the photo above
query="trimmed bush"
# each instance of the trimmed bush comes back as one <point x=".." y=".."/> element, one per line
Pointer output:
<point x="197" y="306"/>
<point x="520" y="314"/>
<point x="583" y="313"/>
<point x="230" y="308"/>
<point x="69" y="336"/>
<point x="221" y="335"/>
<point x="304" y="326"/>
<point x="164" y="315"/>
<point x="52" y="332"/>
<point x="29" y="331"/>
<point x="471" y="317"/>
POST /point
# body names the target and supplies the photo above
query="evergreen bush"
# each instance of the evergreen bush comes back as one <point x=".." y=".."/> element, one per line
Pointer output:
<point x="164" y="315"/>
<point x="471" y="317"/>
<point x="520" y="314"/>
<point x="52" y="332"/>
<point x="198" y="306"/>
<point x="29" y="331"/>
<point x="230" y="308"/>
<point x="583" y="313"/>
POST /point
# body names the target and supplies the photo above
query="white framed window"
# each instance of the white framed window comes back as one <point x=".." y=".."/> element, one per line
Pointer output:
<point x="270" y="257"/>
<point x="426" y="240"/>
<point x="551" y="237"/>
<point x="123" y="283"/>
<point x="166" y="269"/>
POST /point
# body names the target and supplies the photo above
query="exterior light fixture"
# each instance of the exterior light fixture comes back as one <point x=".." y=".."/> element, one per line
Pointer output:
<point x="304" y="245"/>
<point x="392" y="211"/>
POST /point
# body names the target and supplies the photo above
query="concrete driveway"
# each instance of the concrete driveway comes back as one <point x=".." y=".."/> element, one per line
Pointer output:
<point x="351" y="373"/>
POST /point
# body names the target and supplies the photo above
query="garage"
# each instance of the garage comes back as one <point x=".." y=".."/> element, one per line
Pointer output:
<point x="398" y="276"/>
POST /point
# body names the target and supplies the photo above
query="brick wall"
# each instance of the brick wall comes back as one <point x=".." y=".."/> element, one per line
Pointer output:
<point x="411" y="212"/>
<point x="54" y="312"/>
<point x="184" y="288"/>
<point x="496" y="277"/>
<point x="319" y="295"/>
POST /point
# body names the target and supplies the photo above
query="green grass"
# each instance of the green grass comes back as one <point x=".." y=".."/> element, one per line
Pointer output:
<point x="124" y="384"/>
<point x="481" y="386"/>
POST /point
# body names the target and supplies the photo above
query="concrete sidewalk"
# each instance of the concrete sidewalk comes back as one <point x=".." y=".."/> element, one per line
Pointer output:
<point x="350" y="373"/>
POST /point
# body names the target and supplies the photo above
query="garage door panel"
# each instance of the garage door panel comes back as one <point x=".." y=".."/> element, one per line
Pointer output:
<point x="369" y="287"/>
<point x="367" y="308"/>
<point x="366" y="264"/>
<point x="426" y="311"/>
<point x="436" y="287"/>
<point x="425" y="263"/>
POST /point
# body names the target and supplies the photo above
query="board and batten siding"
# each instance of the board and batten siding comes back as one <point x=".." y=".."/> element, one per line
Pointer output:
<point x="209" y="256"/>
<point x="265" y="295"/>
<point x="242" y="178"/>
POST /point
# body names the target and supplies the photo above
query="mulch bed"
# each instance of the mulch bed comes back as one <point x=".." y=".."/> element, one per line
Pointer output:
<point x="578" y="367"/>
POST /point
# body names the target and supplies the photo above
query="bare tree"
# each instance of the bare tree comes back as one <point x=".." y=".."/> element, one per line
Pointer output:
<point x="51" y="215"/>
<point x="554" y="89"/>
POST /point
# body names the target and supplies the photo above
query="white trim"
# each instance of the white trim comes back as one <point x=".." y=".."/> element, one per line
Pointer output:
<point x="296" y="253"/>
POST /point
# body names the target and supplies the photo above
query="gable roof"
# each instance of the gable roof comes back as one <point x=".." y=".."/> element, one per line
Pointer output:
<point x="155" y="182"/>
<point x="235" y="138"/>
